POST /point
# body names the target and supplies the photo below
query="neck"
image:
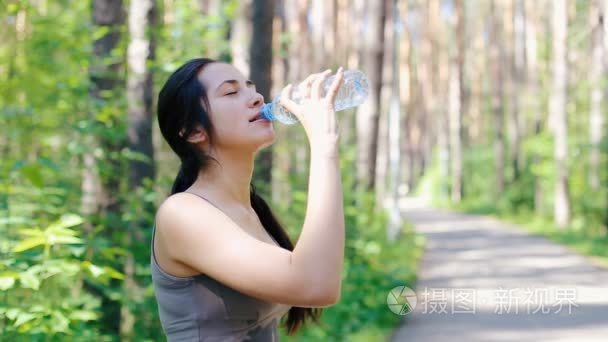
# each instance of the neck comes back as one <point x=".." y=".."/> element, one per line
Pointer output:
<point x="229" y="182"/>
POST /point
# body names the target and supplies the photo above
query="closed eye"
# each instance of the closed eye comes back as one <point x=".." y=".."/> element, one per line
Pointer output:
<point x="231" y="93"/>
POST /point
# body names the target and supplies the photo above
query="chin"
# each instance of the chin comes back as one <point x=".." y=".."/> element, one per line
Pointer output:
<point x="266" y="143"/>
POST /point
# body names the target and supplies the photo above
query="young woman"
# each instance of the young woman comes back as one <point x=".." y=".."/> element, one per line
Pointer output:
<point x="223" y="268"/>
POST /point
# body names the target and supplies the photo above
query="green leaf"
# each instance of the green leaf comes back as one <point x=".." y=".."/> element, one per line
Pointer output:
<point x="29" y="280"/>
<point x="60" y="322"/>
<point x="23" y="318"/>
<point x="65" y="232"/>
<point x="53" y="240"/>
<point x="113" y="273"/>
<point x="77" y="251"/>
<point x="29" y="244"/>
<point x="96" y="271"/>
<point x="32" y="172"/>
<point x="113" y="252"/>
<point x="13" y="219"/>
<point x="82" y="315"/>
<point x="12" y="313"/>
<point x="30" y="232"/>
<point x="7" y="280"/>
<point x="37" y="308"/>
<point x="12" y="8"/>
<point x="66" y="221"/>
<point x="99" y="32"/>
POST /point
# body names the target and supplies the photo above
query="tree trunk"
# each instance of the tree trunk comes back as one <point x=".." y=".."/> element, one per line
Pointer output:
<point x="411" y="98"/>
<point x="351" y="22"/>
<point x="395" y="219"/>
<point x="240" y="37"/>
<point x="318" y="32"/>
<point x="260" y="72"/>
<point x="300" y="65"/>
<point x="344" y="25"/>
<point x="605" y="46"/>
<point x="557" y="110"/>
<point x="437" y="130"/>
<point x="141" y="50"/>
<point x="383" y="115"/>
<point x="330" y="45"/>
<point x="103" y="73"/>
<point x="596" y="75"/>
<point x="514" y="31"/>
<point x="368" y="113"/>
<point x="425" y="73"/>
<point x="281" y="186"/>
<point x="475" y="118"/>
<point x="456" y="103"/>
<point x="497" y="98"/>
<point x="441" y="65"/>
<point x="533" y="90"/>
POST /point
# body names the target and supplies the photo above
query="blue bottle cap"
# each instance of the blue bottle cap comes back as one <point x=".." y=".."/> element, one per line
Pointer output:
<point x="267" y="112"/>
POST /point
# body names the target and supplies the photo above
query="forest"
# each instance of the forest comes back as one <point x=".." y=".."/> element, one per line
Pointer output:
<point x="494" y="107"/>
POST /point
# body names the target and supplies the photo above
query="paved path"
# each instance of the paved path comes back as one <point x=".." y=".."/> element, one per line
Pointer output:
<point x="488" y="281"/>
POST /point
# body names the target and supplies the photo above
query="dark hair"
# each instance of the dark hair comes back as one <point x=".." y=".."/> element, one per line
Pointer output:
<point x="179" y="111"/>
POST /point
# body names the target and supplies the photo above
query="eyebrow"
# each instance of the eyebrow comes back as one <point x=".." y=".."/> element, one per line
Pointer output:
<point x="248" y="82"/>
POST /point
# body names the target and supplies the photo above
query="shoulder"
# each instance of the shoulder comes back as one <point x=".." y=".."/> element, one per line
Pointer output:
<point x="182" y="212"/>
<point x="182" y="203"/>
<point x="174" y="202"/>
<point x="178" y="224"/>
<point x="172" y="206"/>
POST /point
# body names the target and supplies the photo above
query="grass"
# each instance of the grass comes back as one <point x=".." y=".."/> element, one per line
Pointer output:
<point x="594" y="246"/>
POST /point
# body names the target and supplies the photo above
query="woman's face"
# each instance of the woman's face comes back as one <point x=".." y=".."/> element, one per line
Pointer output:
<point x="234" y="104"/>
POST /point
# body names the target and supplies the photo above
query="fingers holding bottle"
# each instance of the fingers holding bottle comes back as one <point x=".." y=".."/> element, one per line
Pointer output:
<point x="318" y="83"/>
<point x="330" y="97"/>
<point x="314" y="106"/>
<point x="302" y="93"/>
<point x="288" y="103"/>
<point x="321" y="122"/>
<point x="332" y="92"/>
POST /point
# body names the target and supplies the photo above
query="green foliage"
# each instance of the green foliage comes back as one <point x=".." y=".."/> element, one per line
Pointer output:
<point x="41" y="280"/>
<point x="59" y="271"/>
<point x="56" y="274"/>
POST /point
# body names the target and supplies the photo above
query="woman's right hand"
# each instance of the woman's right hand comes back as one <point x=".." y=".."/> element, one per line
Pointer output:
<point x="316" y="110"/>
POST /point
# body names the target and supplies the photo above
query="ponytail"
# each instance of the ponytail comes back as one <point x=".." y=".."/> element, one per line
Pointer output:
<point x="192" y="162"/>
<point x="185" y="177"/>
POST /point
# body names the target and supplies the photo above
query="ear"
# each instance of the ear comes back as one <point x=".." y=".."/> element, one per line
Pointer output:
<point x="197" y="136"/>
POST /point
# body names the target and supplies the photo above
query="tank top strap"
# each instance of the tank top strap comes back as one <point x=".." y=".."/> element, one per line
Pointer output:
<point x="205" y="198"/>
<point x="218" y="208"/>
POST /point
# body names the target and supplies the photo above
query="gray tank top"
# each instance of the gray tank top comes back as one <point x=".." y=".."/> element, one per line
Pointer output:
<point x="199" y="308"/>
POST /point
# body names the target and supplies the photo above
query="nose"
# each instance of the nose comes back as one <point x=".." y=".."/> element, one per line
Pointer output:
<point x="257" y="100"/>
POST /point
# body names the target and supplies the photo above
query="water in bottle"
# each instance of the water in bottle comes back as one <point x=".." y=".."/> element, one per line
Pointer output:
<point x="352" y="92"/>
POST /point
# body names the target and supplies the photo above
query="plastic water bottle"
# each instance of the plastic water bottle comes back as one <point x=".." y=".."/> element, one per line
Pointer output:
<point x="352" y="92"/>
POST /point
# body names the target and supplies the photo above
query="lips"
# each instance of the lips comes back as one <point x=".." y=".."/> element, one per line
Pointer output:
<point x="257" y="117"/>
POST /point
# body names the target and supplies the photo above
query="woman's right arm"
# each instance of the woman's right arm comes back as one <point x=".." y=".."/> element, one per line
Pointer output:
<point x="319" y="252"/>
